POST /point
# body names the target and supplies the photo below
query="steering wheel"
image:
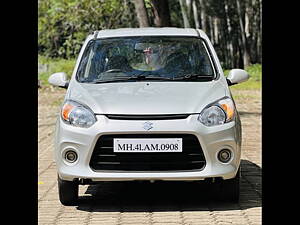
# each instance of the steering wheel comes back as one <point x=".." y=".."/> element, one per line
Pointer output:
<point x="113" y="70"/>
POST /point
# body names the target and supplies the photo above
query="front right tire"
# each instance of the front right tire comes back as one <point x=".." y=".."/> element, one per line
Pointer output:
<point x="68" y="192"/>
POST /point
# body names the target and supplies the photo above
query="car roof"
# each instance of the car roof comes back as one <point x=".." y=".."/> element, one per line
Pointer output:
<point x="149" y="31"/>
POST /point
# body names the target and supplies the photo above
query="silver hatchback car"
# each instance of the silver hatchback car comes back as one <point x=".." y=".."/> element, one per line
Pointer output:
<point x="148" y="104"/>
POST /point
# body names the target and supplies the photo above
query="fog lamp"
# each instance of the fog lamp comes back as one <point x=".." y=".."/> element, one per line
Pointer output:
<point x="224" y="155"/>
<point x="71" y="156"/>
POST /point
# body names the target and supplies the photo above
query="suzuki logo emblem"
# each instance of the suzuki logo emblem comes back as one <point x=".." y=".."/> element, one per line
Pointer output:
<point x="147" y="125"/>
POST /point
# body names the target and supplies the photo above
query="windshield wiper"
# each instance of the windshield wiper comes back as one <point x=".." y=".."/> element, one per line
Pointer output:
<point x="195" y="77"/>
<point x="132" y="78"/>
<point x="143" y="77"/>
<point x="107" y="81"/>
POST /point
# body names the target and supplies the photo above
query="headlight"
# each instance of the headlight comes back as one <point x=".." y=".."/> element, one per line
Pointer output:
<point x="220" y="112"/>
<point x="77" y="115"/>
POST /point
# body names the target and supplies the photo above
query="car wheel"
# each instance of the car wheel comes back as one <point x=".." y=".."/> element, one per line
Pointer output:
<point x="228" y="190"/>
<point x="68" y="192"/>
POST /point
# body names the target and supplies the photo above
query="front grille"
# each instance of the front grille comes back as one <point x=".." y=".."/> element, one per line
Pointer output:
<point x="147" y="117"/>
<point x="191" y="157"/>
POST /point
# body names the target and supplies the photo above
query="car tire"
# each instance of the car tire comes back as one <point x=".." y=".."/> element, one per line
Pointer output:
<point x="68" y="192"/>
<point x="228" y="190"/>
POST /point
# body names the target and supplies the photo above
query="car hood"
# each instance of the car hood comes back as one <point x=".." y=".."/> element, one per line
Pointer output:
<point x="146" y="98"/>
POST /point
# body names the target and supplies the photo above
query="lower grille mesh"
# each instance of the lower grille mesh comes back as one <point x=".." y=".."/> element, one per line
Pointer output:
<point x="191" y="158"/>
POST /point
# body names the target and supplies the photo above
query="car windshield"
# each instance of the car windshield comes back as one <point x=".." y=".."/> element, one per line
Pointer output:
<point x="142" y="58"/>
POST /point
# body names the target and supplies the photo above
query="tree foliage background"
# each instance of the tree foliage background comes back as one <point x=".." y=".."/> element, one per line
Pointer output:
<point x="234" y="26"/>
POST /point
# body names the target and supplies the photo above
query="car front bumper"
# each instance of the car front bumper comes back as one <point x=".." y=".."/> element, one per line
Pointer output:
<point x="83" y="141"/>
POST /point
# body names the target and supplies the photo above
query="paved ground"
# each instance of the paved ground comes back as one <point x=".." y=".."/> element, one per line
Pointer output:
<point x="166" y="203"/>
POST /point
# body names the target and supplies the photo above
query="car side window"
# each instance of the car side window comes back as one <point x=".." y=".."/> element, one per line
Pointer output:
<point x="204" y="62"/>
<point x="82" y="70"/>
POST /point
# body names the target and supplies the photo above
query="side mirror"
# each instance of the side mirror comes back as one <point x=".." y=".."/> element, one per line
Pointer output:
<point x="59" y="79"/>
<point x="237" y="76"/>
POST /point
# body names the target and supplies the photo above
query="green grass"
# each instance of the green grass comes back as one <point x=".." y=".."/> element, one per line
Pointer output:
<point x="254" y="82"/>
<point x="54" y="66"/>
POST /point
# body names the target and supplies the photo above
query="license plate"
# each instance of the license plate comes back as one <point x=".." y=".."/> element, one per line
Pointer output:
<point x="148" y="145"/>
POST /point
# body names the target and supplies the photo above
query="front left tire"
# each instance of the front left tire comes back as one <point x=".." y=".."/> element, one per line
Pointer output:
<point x="228" y="190"/>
